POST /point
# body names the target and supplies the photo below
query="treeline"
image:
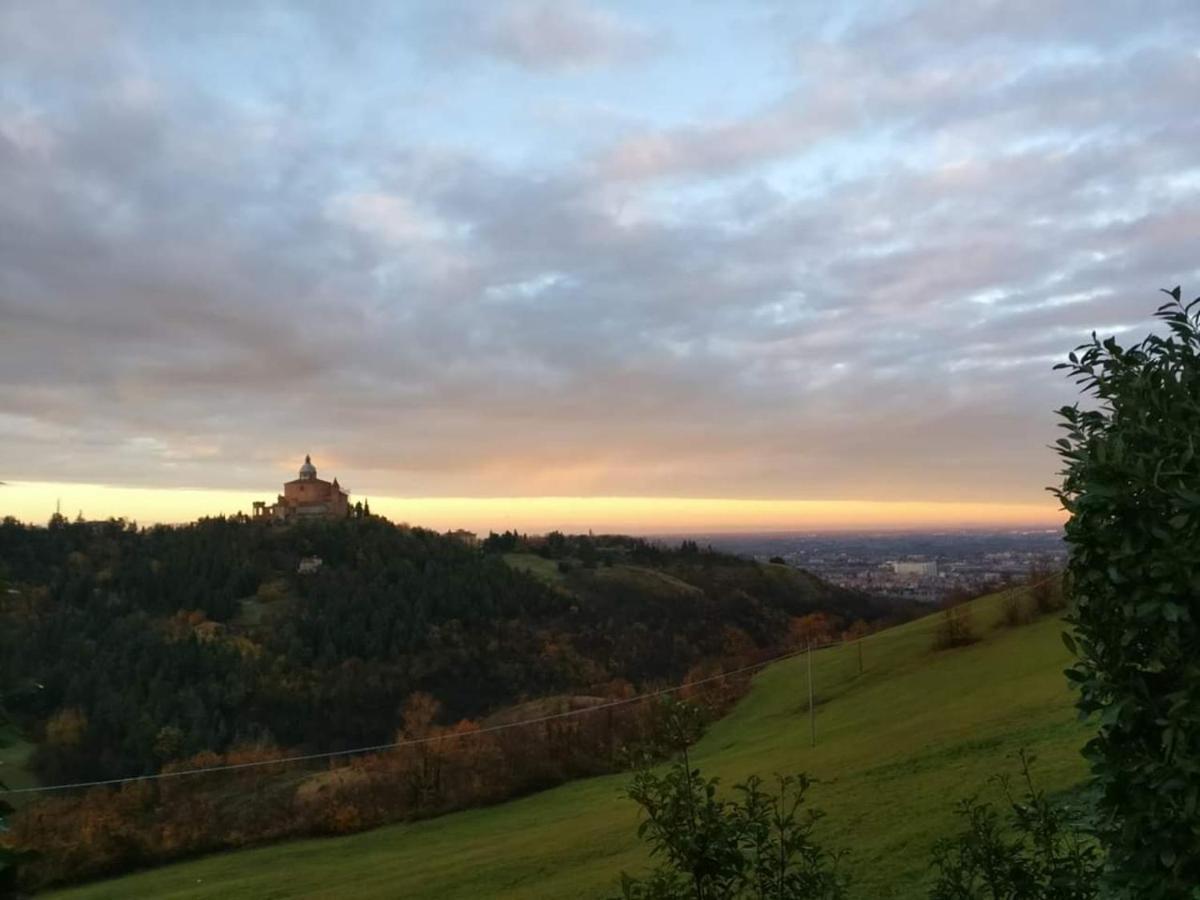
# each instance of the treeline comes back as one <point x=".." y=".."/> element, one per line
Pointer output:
<point x="590" y="550"/>
<point x="105" y="831"/>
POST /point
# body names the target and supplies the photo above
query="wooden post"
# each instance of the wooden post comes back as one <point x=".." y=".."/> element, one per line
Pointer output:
<point x="860" y="667"/>
<point x="812" y="709"/>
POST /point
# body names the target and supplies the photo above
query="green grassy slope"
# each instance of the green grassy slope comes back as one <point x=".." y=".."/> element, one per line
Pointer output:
<point x="896" y="747"/>
<point x="14" y="753"/>
<point x="538" y="566"/>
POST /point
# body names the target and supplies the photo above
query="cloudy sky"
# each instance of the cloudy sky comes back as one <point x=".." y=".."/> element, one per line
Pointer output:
<point x="770" y="252"/>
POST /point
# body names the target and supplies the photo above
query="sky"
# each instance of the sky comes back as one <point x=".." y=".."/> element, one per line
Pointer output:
<point x="582" y="264"/>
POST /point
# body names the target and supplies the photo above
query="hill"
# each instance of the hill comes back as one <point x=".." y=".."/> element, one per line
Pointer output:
<point x="212" y="635"/>
<point x="896" y="746"/>
<point x="14" y="759"/>
<point x="217" y="645"/>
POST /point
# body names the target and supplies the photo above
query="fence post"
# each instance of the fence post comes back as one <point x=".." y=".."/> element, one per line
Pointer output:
<point x="860" y="666"/>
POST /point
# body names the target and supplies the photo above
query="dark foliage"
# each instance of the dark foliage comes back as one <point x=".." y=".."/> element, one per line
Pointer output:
<point x="141" y="631"/>
<point x="758" y="844"/>
<point x="122" y="649"/>
<point x="1038" y="852"/>
<point x="73" y="836"/>
<point x="1132" y="488"/>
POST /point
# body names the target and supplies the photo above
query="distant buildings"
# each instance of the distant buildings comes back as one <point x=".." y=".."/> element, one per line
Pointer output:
<point x="470" y="538"/>
<point x="915" y="568"/>
<point x="897" y="564"/>
<point x="306" y="497"/>
<point x="309" y="565"/>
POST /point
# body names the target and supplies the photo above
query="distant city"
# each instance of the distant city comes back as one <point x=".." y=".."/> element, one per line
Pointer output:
<point x="924" y="566"/>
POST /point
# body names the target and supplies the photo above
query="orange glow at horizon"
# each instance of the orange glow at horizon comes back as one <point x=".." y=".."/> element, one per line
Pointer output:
<point x="35" y="501"/>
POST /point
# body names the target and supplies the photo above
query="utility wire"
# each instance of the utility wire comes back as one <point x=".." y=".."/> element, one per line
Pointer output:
<point x="490" y="729"/>
<point x="393" y="745"/>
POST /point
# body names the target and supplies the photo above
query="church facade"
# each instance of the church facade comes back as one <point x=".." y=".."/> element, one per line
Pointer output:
<point x="306" y="497"/>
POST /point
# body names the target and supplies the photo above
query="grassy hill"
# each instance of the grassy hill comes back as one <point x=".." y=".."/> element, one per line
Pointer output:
<point x="896" y="747"/>
<point x="14" y="754"/>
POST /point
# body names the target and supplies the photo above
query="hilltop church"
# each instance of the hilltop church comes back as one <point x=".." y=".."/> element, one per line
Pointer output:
<point x="306" y="497"/>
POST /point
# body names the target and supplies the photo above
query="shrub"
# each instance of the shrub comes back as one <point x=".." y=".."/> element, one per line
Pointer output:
<point x="956" y="628"/>
<point x="1040" y="853"/>
<point x="1015" y="610"/>
<point x="757" y="845"/>
<point x="1045" y="587"/>
<point x="1131" y="485"/>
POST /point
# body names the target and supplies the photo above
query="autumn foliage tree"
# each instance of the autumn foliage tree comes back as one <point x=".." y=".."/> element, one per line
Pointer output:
<point x="815" y="629"/>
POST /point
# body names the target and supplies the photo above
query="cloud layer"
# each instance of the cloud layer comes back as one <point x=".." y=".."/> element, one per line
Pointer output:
<point x="495" y="249"/>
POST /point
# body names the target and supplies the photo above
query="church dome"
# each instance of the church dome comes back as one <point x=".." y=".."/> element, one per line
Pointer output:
<point x="308" y="471"/>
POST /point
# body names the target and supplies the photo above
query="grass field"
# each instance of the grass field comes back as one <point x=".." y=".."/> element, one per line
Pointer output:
<point x="538" y="566"/>
<point x="637" y="580"/>
<point x="14" y="752"/>
<point x="896" y="747"/>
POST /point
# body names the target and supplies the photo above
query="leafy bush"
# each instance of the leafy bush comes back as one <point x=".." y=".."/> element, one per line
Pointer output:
<point x="1132" y="487"/>
<point x="1040" y="853"/>
<point x="758" y="845"/>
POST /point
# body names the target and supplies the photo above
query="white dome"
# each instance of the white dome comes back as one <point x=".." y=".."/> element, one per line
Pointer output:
<point x="308" y="471"/>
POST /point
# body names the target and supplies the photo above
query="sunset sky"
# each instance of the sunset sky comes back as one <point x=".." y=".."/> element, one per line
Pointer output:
<point x="648" y="267"/>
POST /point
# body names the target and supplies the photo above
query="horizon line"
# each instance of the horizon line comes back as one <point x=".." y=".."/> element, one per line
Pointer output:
<point x="635" y="514"/>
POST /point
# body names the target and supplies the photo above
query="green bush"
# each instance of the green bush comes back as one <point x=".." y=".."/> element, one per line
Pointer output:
<point x="1132" y="488"/>
<point x="758" y="845"/>
<point x="755" y="846"/>
<point x="1039" y="852"/>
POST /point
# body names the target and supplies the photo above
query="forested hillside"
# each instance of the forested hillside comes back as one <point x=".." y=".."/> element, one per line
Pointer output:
<point x="899" y="742"/>
<point x="122" y="649"/>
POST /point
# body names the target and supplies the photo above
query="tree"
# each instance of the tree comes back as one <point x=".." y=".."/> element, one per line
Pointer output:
<point x="66" y="729"/>
<point x="1015" y="610"/>
<point x="956" y="628"/>
<point x="1045" y="586"/>
<point x="420" y="712"/>
<point x="555" y="545"/>
<point x="815" y="629"/>
<point x="420" y="715"/>
<point x="588" y="557"/>
<point x="1131" y="485"/>
<point x="168" y="743"/>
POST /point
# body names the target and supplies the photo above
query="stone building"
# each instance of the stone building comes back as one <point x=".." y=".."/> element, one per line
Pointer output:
<point x="306" y="497"/>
